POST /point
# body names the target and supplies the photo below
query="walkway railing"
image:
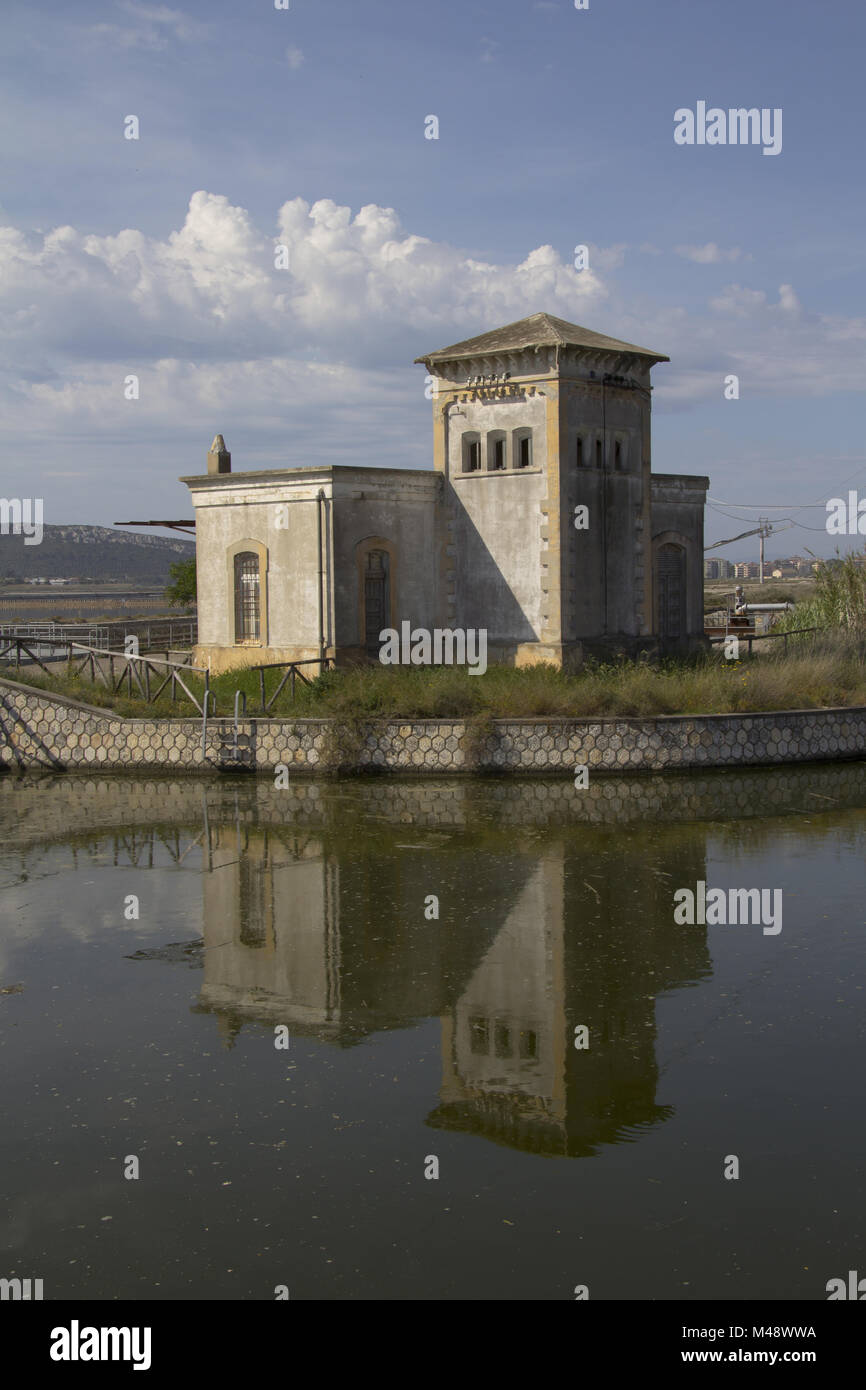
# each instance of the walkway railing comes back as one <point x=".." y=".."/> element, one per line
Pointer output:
<point x="292" y="674"/>
<point x="763" y="636"/>
<point x="102" y="665"/>
<point x="152" y="633"/>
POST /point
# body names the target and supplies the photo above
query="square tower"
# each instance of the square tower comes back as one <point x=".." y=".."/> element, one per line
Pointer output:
<point x="542" y="434"/>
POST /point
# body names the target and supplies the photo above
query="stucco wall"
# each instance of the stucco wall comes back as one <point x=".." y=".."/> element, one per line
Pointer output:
<point x="494" y="545"/>
<point x="398" y="508"/>
<point x="234" y="509"/>
<point x="678" y="516"/>
<point x="279" y="513"/>
<point x="617" y="512"/>
<point x="493" y="523"/>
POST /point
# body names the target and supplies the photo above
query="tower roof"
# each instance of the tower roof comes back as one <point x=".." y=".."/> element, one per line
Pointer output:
<point x="539" y="330"/>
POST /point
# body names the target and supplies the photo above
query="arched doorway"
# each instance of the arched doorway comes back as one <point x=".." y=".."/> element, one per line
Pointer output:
<point x="671" y="592"/>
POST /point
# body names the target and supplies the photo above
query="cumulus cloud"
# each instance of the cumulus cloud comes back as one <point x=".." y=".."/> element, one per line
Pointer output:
<point x="313" y="362"/>
<point x="743" y="302"/>
<point x="608" y="257"/>
<point x="357" y="288"/>
<point x="708" y="254"/>
<point x="149" y="27"/>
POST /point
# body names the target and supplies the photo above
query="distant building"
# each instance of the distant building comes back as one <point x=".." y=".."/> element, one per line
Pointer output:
<point x="718" y="569"/>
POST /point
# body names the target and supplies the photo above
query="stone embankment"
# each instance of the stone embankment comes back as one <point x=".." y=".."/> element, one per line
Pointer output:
<point x="38" y="729"/>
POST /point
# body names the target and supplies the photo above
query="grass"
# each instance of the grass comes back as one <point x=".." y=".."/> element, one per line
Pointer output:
<point x="837" y="604"/>
<point x="819" y="671"/>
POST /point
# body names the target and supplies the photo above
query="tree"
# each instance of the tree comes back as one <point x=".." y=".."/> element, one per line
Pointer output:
<point x="181" y="592"/>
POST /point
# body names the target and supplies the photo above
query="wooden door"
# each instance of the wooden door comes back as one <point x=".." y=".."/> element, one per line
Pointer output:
<point x="377" y="600"/>
<point x="671" y="591"/>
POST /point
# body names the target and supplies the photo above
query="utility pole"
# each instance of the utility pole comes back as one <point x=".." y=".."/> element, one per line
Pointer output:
<point x="765" y="530"/>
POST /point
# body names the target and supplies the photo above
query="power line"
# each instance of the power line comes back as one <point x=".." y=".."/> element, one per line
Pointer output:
<point x="771" y="506"/>
<point x="789" y="506"/>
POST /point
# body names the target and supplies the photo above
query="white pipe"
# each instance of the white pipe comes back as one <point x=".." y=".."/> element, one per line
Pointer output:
<point x="764" y="607"/>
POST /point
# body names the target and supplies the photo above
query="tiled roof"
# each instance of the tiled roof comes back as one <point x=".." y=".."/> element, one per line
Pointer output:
<point x="539" y="330"/>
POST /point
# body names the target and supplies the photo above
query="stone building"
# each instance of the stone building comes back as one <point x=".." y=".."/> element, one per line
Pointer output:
<point x="540" y="522"/>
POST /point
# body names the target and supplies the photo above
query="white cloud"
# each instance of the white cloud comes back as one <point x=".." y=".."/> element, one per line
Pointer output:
<point x="314" y="362"/>
<point x="708" y="254"/>
<point x="742" y="302"/>
<point x="294" y="58"/>
<point x="608" y="257"/>
<point x="358" y="288"/>
<point x="152" y="26"/>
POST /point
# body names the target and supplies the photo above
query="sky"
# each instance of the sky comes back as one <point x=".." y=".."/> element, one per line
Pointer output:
<point x="306" y="126"/>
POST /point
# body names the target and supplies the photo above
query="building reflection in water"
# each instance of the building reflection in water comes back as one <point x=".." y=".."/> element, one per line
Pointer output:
<point x="322" y="927"/>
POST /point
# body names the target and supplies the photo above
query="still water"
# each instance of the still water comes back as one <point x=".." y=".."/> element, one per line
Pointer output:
<point x="418" y="1041"/>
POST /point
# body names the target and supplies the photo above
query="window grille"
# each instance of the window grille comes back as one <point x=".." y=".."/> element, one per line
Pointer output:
<point x="247" y="605"/>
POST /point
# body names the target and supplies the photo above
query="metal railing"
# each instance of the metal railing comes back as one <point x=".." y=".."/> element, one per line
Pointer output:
<point x="763" y="636"/>
<point x="102" y="662"/>
<point x="142" y="672"/>
<point x="152" y="633"/>
<point x="291" y="675"/>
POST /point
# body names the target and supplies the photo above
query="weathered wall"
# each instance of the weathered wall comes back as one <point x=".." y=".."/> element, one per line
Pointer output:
<point x="494" y="522"/>
<point x="678" y="516"/>
<point x="278" y="513"/>
<point x="235" y="508"/>
<point x="49" y="731"/>
<point x="615" y="494"/>
<point x="398" y="507"/>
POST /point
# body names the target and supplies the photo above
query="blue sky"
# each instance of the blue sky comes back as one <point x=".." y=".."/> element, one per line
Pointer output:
<point x="155" y="257"/>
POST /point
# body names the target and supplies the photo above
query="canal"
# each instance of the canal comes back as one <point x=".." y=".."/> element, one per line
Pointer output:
<point x="432" y="1039"/>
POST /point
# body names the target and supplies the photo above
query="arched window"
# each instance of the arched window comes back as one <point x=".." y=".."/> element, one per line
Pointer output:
<point x="496" y="460"/>
<point x="471" y="451"/>
<point x="247" y="597"/>
<point x="522" y="448"/>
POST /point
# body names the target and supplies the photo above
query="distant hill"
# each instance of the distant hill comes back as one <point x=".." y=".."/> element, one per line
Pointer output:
<point x="93" y="552"/>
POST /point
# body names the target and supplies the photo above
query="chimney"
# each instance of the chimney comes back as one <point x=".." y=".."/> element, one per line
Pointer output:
<point x="219" y="460"/>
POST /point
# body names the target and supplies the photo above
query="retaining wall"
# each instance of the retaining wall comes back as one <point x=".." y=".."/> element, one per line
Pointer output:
<point x="39" y="729"/>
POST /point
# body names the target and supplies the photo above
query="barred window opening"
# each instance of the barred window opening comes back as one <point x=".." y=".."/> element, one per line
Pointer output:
<point x="247" y="597"/>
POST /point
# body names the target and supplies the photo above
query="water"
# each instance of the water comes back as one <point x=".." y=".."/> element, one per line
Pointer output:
<point x="413" y="1038"/>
